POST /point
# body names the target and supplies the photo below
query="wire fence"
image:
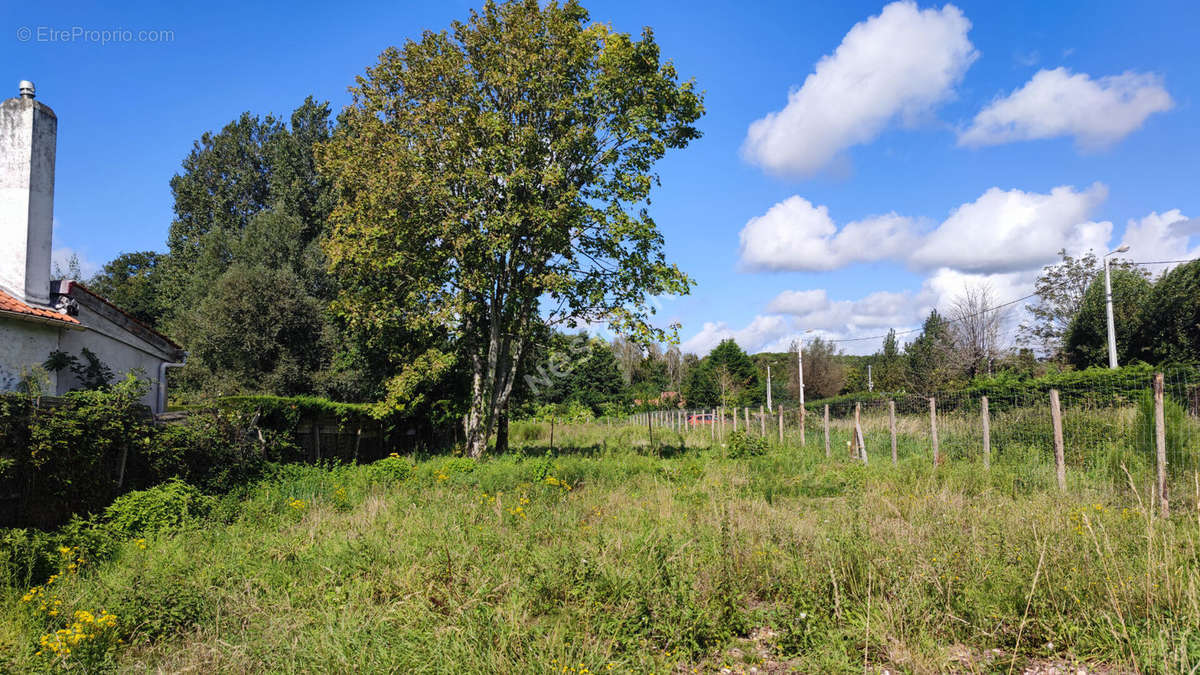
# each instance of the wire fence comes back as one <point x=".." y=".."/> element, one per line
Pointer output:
<point x="1140" y="428"/>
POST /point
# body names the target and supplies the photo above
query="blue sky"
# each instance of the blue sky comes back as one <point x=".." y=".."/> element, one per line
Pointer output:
<point x="906" y="151"/>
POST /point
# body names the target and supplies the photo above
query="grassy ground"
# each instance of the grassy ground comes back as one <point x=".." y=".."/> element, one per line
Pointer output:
<point x="605" y="558"/>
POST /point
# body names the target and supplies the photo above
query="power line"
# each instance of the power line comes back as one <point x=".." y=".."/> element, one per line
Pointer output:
<point x="997" y="306"/>
<point x="1000" y="306"/>
<point x="954" y="320"/>
<point x="1160" y="262"/>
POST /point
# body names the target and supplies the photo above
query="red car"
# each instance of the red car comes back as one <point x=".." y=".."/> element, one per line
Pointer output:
<point x="699" y="419"/>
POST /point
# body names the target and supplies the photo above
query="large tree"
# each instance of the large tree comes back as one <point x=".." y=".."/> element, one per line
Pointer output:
<point x="132" y="281"/>
<point x="889" y="365"/>
<point x="1086" y="342"/>
<point x="1060" y="289"/>
<point x="824" y="371"/>
<point x="254" y="165"/>
<point x="733" y="372"/>
<point x="977" y="328"/>
<point x="931" y="356"/>
<point x="1170" y="322"/>
<point x="250" y="198"/>
<point x="499" y="171"/>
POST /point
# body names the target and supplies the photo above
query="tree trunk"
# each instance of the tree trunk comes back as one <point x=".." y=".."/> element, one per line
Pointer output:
<point x="492" y="380"/>
<point x="502" y="432"/>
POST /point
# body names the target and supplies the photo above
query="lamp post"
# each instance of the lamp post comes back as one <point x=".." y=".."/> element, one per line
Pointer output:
<point x="800" y="364"/>
<point x="769" y="408"/>
<point x="1108" y="307"/>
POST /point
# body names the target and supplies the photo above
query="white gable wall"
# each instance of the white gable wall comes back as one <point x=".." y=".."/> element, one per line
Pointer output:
<point x="24" y="344"/>
<point x="116" y="348"/>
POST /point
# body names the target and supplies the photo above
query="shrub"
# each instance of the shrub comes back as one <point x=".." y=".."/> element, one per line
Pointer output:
<point x="78" y="451"/>
<point x="392" y="468"/>
<point x="742" y="444"/>
<point x="1179" y="455"/>
<point x="211" y="449"/>
<point x="162" y="508"/>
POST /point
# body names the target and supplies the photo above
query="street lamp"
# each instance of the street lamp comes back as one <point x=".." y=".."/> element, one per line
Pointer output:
<point x="1112" y="335"/>
<point x="800" y="364"/>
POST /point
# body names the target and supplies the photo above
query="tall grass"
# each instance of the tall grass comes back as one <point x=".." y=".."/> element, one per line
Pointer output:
<point x="608" y="554"/>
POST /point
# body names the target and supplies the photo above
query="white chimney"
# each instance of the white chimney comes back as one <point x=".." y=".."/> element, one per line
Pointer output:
<point x="28" y="135"/>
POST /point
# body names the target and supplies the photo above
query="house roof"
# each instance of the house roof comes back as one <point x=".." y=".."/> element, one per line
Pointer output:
<point x="70" y="286"/>
<point x="21" y="310"/>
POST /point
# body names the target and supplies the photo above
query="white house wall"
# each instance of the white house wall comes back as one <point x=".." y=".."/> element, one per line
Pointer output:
<point x="116" y="348"/>
<point x="22" y="345"/>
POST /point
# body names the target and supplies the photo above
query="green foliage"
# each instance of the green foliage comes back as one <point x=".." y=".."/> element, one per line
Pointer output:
<point x="574" y="116"/>
<point x="701" y="390"/>
<point x="1061" y="289"/>
<point x="1086" y="339"/>
<point x="133" y="282"/>
<point x="1170" y="325"/>
<point x="163" y="508"/>
<point x="244" y="286"/>
<point x="1182" y="450"/>
<point x="649" y="564"/>
<point x="257" y="331"/>
<point x="825" y="372"/>
<point x="572" y="411"/>
<point x="929" y="356"/>
<point x="733" y="373"/>
<point x="394" y="469"/>
<point x="742" y="444"/>
<point x="75" y="450"/>
<point x="888" y="365"/>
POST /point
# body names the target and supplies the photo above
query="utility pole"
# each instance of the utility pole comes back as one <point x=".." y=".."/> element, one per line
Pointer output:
<point x="1108" y="308"/>
<point x="800" y="364"/>
<point x="870" y="382"/>
<point x="800" y="367"/>
<point x="769" y="408"/>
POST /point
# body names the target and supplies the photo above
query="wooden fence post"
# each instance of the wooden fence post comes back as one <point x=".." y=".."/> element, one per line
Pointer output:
<point x="862" y="443"/>
<point x="781" y="426"/>
<point x="712" y="428"/>
<point x="892" y="428"/>
<point x="746" y="412"/>
<point x="803" y="414"/>
<point x="933" y="435"/>
<point x="1060" y="460"/>
<point x="762" y="422"/>
<point x="827" y="430"/>
<point x="1160" y="444"/>
<point x="734" y="416"/>
<point x="987" y="432"/>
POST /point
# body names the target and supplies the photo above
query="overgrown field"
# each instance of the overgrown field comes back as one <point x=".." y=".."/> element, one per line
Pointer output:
<point x="606" y="558"/>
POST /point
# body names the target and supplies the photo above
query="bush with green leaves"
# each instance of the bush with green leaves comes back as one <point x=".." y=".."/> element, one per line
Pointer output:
<point x="392" y="468"/>
<point x="162" y="508"/>
<point x="1181" y="445"/>
<point x="742" y="444"/>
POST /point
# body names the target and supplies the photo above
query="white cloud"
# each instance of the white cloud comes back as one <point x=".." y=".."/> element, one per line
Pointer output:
<point x="796" y="235"/>
<point x="813" y="309"/>
<point x="1010" y="230"/>
<point x="1161" y="237"/>
<point x="761" y="330"/>
<point x="899" y="64"/>
<point x="1001" y="231"/>
<point x="60" y="259"/>
<point x="945" y="285"/>
<point x="1097" y="113"/>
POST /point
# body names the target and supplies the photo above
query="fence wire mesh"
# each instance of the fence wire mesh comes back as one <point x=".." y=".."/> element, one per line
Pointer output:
<point x="1110" y="428"/>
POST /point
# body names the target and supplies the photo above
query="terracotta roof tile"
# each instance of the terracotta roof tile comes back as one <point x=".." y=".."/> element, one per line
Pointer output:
<point x="11" y="305"/>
